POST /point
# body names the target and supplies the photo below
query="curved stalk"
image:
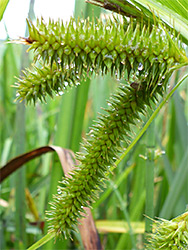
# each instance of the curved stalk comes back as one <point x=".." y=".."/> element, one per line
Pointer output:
<point x="42" y="241"/>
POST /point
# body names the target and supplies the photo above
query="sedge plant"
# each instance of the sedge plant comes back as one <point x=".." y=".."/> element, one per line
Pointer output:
<point x="143" y="54"/>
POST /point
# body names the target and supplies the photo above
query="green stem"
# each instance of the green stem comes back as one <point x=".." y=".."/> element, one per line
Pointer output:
<point x="42" y="241"/>
<point x="20" y="222"/>
<point x="176" y="189"/>
<point x="20" y="175"/>
<point x="149" y="209"/>
<point x="126" y="215"/>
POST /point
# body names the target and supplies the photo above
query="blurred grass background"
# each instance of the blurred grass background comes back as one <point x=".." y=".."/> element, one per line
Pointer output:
<point x="62" y="122"/>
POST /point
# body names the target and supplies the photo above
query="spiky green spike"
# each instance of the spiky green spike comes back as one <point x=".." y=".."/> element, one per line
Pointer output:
<point x="171" y="234"/>
<point x="99" y="154"/>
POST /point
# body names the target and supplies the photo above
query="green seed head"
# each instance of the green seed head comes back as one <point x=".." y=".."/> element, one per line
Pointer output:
<point x="170" y="234"/>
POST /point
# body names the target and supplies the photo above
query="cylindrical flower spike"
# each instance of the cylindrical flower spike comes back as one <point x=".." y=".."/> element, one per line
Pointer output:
<point x="101" y="151"/>
<point x="47" y="80"/>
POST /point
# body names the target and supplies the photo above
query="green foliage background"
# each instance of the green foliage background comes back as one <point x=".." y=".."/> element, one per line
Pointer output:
<point x="61" y="122"/>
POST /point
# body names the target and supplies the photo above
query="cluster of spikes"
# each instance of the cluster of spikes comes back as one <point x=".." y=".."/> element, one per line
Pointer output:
<point x="169" y="235"/>
<point x="144" y="56"/>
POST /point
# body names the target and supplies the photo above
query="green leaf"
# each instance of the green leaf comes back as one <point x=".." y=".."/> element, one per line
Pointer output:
<point x="173" y="13"/>
<point x="3" y="5"/>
